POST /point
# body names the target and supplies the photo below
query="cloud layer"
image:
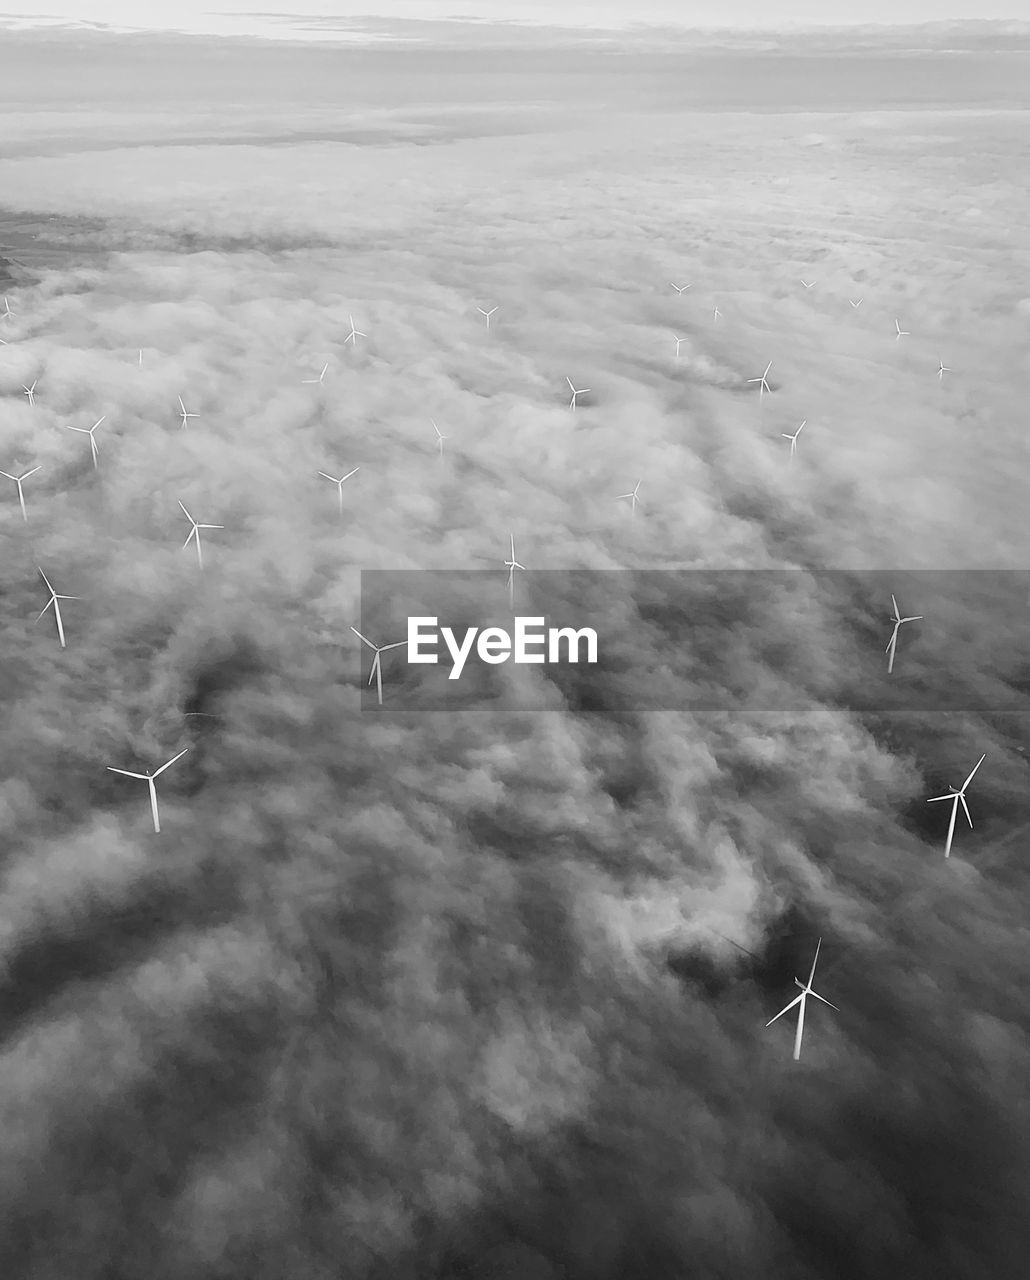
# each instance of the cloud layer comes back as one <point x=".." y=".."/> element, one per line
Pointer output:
<point x="482" y="993"/>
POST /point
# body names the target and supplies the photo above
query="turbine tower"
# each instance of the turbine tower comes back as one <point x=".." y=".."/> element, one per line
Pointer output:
<point x="55" y="600"/>
<point x="149" y="778"/>
<point x="376" y="673"/>
<point x="194" y="533"/>
<point x="806" y="991"/>
<point x="763" y="385"/>
<point x="339" y="484"/>
<point x="957" y="796"/>
<point x="18" y="481"/>
<point x="898" y="620"/>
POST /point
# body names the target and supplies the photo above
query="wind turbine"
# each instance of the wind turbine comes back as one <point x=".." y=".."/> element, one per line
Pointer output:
<point x="440" y="437"/>
<point x="679" y="342"/>
<point x="195" y="533"/>
<point x="806" y="282"/>
<point x="30" y="392"/>
<point x="17" y="480"/>
<point x="942" y="370"/>
<point x="901" y="333"/>
<point x="488" y="314"/>
<point x="793" y="438"/>
<point x="897" y="619"/>
<point x="149" y="779"/>
<point x="763" y="386"/>
<point x="855" y="304"/>
<point x="806" y="991"/>
<point x="581" y="392"/>
<point x="185" y="415"/>
<point x="632" y="495"/>
<point x="8" y="313"/>
<point x="55" y="600"/>
<point x="680" y="288"/>
<point x="311" y="382"/>
<point x="354" y="333"/>
<point x="511" y="565"/>
<point x="955" y="796"/>
<point x="140" y="363"/>
<point x="339" y="483"/>
<point x="88" y="431"/>
<point x="716" y="314"/>
<point x="377" y="667"/>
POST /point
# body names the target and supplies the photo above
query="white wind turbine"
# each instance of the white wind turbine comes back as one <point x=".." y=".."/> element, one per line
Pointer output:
<point x="30" y="392"/>
<point x="955" y="796"/>
<point x="88" y="431"/>
<point x="313" y="382"/>
<point x="892" y="643"/>
<point x="17" y="480"/>
<point x="185" y="415"/>
<point x="339" y="484"/>
<point x="354" y="333"/>
<point x="488" y="314"/>
<point x="942" y="370"/>
<point x="857" y="304"/>
<point x="55" y="600"/>
<point x="793" y="438"/>
<point x="900" y="332"/>
<point x="194" y="533"/>
<point x="511" y="565"/>
<point x="806" y="283"/>
<point x="763" y="385"/>
<point x="440" y="437"/>
<point x="633" y="498"/>
<point x="679" y="343"/>
<point x="149" y="778"/>
<point x="377" y="667"/>
<point x="806" y="991"/>
<point x="716" y="314"/>
<point x="8" y="313"/>
<point x="680" y="288"/>
<point x="139" y="364"/>
<point x="580" y="392"/>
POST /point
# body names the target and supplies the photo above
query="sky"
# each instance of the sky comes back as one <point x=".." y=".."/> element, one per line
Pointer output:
<point x="484" y="991"/>
<point x="245" y="16"/>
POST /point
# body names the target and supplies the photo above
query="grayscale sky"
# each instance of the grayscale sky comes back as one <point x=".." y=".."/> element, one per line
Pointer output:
<point x="237" y="16"/>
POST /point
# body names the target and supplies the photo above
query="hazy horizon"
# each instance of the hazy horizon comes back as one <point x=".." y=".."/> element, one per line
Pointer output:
<point x="300" y="20"/>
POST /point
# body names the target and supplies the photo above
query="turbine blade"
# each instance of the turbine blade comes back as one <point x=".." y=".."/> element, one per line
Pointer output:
<point x="966" y="809"/>
<point x="127" y="773"/>
<point x="815" y="961"/>
<point x="168" y="764"/>
<point x="362" y="638"/>
<point x="823" y="999"/>
<point x="786" y="1008"/>
<point x="975" y="767"/>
